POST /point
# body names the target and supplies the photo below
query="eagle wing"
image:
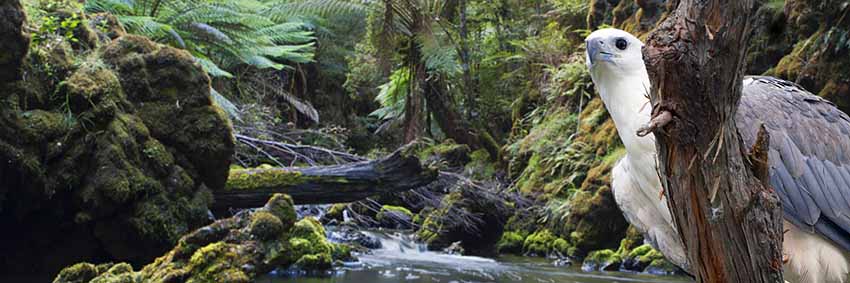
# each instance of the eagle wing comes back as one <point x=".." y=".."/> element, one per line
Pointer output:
<point x="809" y="153"/>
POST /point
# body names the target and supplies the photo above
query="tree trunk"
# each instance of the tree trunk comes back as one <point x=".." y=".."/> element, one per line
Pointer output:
<point x="398" y="172"/>
<point x="729" y="221"/>
<point x="414" y="105"/>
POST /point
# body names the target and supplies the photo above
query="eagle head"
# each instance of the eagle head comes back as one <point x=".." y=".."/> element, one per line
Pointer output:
<point x="614" y="51"/>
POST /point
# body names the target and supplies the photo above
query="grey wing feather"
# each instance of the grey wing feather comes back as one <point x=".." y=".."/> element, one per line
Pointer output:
<point x="809" y="153"/>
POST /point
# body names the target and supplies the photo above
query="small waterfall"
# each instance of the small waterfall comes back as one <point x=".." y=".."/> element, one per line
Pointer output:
<point x="397" y="246"/>
<point x="402" y="243"/>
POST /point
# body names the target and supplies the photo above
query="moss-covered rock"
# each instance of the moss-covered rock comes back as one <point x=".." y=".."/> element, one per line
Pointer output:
<point x="15" y="43"/>
<point x="445" y="225"/>
<point x="79" y="273"/>
<point x="395" y="217"/>
<point x="544" y="243"/>
<point x="236" y="249"/>
<point x="510" y="243"/>
<point x="265" y="225"/>
<point x="112" y="149"/>
<point x="602" y="260"/>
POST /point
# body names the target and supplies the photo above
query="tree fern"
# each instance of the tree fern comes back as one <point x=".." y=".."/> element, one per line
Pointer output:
<point x="392" y="95"/>
<point x="232" y="32"/>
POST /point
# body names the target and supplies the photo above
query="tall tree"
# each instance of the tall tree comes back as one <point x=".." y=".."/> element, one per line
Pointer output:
<point x="419" y="27"/>
<point x="729" y="219"/>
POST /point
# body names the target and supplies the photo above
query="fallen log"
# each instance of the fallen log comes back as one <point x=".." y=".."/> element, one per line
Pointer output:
<point x="400" y="171"/>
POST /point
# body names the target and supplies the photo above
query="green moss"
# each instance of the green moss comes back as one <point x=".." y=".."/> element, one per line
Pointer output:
<point x="511" y="242"/>
<point x="607" y="260"/>
<point x="539" y="243"/>
<point x="249" y="179"/>
<point x="640" y="252"/>
<point x="157" y="153"/>
<point x="342" y="252"/>
<point x="389" y="210"/>
<point x="79" y="273"/>
<point x="308" y="226"/>
<point x="283" y="208"/>
<point x="480" y="166"/>
<point x="335" y="212"/>
<point x="309" y="247"/>
<point x="561" y="246"/>
<point x="39" y="126"/>
<point x="265" y="225"/>
<point x="314" y="261"/>
<point x="118" y="273"/>
<point x="217" y="262"/>
<point x="445" y="154"/>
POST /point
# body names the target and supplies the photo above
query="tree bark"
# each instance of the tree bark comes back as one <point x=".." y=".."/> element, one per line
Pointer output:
<point x="398" y="172"/>
<point x="729" y="221"/>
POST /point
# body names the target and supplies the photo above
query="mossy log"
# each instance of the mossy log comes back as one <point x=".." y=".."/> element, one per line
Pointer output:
<point x="397" y="172"/>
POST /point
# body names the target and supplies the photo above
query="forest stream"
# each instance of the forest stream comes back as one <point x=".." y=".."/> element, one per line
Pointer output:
<point x="276" y="141"/>
<point x="400" y="259"/>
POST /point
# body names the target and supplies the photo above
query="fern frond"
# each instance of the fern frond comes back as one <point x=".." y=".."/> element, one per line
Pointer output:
<point x="211" y="68"/>
<point x="283" y="10"/>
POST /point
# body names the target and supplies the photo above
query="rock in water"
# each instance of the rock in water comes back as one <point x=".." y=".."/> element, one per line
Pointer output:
<point x="109" y="150"/>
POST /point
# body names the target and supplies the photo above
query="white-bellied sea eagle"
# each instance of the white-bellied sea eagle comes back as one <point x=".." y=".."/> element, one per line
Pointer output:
<point x="809" y="159"/>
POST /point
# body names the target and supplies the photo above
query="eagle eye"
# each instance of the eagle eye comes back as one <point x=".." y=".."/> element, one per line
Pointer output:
<point x="622" y="44"/>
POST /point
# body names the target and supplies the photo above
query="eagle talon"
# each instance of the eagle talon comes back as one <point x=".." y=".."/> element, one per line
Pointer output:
<point x="662" y="119"/>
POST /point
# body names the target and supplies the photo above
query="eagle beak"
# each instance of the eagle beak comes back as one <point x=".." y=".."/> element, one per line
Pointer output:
<point x="595" y="52"/>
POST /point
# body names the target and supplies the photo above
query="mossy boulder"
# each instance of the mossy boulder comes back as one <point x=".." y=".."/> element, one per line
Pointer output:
<point x="451" y="222"/>
<point x="544" y="243"/>
<point x="112" y="150"/>
<point x="79" y="273"/>
<point x="15" y="43"/>
<point x="510" y="243"/>
<point x="395" y="217"/>
<point x="265" y="225"/>
<point x="602" y="260"/>
<point x="236" y="250"/>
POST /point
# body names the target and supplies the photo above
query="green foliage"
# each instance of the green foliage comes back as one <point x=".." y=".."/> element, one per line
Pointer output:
<point x="393" y="94"/>
<point x="220" y="34"/>
<point x="53" y="26"/>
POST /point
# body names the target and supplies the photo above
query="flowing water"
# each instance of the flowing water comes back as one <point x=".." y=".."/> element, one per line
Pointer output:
<point x="402" y="260"/>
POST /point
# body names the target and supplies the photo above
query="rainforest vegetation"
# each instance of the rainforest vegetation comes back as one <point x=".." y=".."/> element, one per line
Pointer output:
<point x="219" y="141"/>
